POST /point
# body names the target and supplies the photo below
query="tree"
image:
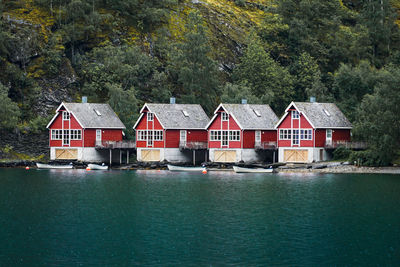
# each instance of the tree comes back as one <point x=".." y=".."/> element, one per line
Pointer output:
<point x="266" y="78"/>
<point x="378" y="120"/>
<point x="9" y="111"/>
<point x="234" y="93"/>
<point x="352" y="83"/>
<point x="193" y="68"/>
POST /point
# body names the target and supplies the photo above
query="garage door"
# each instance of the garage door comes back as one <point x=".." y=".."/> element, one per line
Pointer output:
<point x="66" y="153"/>
<point x="295" y="155"/>
<point x="225" y="156"/>
<point x="150" y="155"/>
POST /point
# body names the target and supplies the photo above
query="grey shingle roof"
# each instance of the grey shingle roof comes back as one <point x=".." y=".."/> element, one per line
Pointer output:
<point x="171" y="116"/>
<point x="332" y="117"/>
<point x="87" y="116"/>
<point x="246" y="116"/>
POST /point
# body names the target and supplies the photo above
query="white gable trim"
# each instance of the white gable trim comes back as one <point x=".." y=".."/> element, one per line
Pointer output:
<point x="155" y="114"/>
<point x="138" y="120"/>
<point x="212" y="119"/>
<point x="287" y="112"/>
<point x="55" y="116"/>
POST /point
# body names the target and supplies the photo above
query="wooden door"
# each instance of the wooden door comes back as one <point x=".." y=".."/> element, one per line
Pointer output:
<point x="150" y="155"/>
<point x="66" y="154"/>
<point x="225" y="156"/>
<point x="295" y="155"/>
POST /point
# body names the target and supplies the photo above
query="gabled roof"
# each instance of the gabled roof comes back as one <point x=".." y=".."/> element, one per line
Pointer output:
<point x="250" y="116"/>
<point x="177" y="116"/>
<point x="92" y="115"/>
<point x="320" y="115"/>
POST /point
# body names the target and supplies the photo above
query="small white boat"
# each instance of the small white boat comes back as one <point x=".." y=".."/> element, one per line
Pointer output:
<point x="186" y="169"/>
<point x="97" y="167"/>
<point x="48" y="166"/>
<point x="256" y="170"/>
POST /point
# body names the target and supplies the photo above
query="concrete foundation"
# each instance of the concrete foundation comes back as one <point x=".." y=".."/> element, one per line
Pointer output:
<point x="90" y="154"/>
<point x="314" y="153"/>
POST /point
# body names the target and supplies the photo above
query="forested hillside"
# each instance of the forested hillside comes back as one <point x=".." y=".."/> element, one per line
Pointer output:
<point x="127" y="52"/>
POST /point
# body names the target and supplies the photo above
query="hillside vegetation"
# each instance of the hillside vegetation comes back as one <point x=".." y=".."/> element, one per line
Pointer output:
<point x="128" y="52"/>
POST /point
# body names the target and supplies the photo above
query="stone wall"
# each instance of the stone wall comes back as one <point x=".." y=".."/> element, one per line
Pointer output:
<point x="30" y="144"/>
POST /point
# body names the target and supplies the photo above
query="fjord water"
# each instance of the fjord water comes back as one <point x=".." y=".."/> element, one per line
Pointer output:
<point x="114" y="218"/>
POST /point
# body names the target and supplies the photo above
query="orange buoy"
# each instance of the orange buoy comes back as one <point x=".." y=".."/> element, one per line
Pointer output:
<point x="27" y="168"/>
<point x="87" y="168"/>
<point x="204" y="171"/>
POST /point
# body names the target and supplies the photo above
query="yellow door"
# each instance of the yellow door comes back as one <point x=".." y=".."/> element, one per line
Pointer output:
<point x="66" y="154"/>
<point x="150" y="155"/>
<point x="225" y="156"/>
<point x="295" y="155"/>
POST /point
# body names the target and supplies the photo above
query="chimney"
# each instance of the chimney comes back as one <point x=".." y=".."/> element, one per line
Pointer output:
<point x="172" y="100"/>
<point x="312" y="99"/>
<point x="84" y="99"/>
<point x="244" y="101"/>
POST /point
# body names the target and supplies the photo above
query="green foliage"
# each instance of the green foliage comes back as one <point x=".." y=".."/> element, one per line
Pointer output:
<point x="234" y="93"/>
<point x="266" y="78"/>
<point x="9" y="111"/>
<point x="193" y="68"/>
<point x="341" y="153"/>
<point x="378" y="119"/>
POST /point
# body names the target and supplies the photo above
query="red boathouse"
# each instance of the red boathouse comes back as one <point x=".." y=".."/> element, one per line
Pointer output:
<point x="171" y="132"/>
<point x="242" y="132"/>
<point x="309" y="130"/>
<point x="82" y="131"/>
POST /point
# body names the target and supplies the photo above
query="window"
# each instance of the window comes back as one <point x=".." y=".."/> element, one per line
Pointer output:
<point x="141" y="135"/>
<point x="328" y="134"/>
<point x="257" y="113"/>
<point x="150" y="138"/>
<point x="296" y="137"/>
<point x="98" y="135"/>
<point x="150" y="116"/>
<point x="225" y="138"/>
<point x="258" y="136"/>
<point x="66" y="137"/>
<point x="158" y="135"/>
<point x="327" y="113"/>
<point x="185" y="113"/>
<point x="306" y="134"/>
<point x="295" y="114"/>
<point x="56" y="134"/>
<point x="234" y="135"/>
<point x="215" y="135"/>
<point x="65" y="115"/>
<point x="285" y="134"/>
<point x="76" y="134"/>
<point x="225" y="116"/>
<point x="97" y="112"/>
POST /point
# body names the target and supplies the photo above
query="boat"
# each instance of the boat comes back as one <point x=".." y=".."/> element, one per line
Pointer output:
<point x="255" y="170"/>
<point x="97" y="167"/>
<point x="48" y="166"/>
<point x="185" y="169"/>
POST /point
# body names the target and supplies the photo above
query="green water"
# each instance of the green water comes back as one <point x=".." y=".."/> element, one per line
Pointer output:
<point x="126" y="218"/>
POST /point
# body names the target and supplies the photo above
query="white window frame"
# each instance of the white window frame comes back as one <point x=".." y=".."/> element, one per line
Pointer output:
<point x="76" y="134"/>
<point x="99" y="137"/>
<point x="257" y="136"/>
<point x="224" y="138"/>
<point x="158" y="135"/>
<point x="150" y="116"/>
<point x="56" y="134"/>
<point x="224" y="116"/>
<point x="66" y="137"/>
<point x="234" y="135"/>
<point x="66" y="116"/>
<point x="215" y="135"/>
<point x="296" y="141"/>
<point x="150" y="138"/>
<point x="295" y="115"/>
<point x="141" y="135"/>
<point x="305" y="134"/>
<point x="182" y="136"/>
<point x="285" y="134"/>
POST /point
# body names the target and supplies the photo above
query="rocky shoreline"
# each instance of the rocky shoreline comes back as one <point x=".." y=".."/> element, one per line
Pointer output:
<point x="333" y="167"/>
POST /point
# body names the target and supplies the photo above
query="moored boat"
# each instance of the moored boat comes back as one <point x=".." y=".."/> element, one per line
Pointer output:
<point x="48" y="166"/>
<point x="97" y="167"/>
<point x="185" y="169"/>
<point x="254" y="170"/>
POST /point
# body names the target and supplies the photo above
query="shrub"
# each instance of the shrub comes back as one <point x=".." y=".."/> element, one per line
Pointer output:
<point x="341" y="153"/>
